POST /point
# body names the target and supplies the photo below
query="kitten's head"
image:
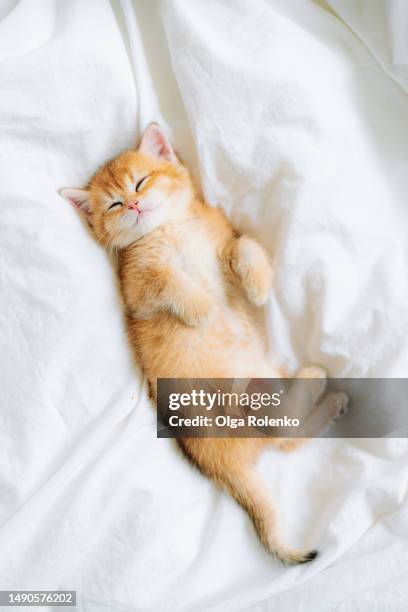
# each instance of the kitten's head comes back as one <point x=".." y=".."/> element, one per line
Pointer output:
<point x="136" y="192"/>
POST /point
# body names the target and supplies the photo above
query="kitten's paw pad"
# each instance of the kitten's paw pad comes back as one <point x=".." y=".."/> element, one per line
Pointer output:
<point x="339" y="403"/>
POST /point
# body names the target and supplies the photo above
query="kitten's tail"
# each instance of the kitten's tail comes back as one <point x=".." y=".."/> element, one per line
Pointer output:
<point x="245" y="486"/>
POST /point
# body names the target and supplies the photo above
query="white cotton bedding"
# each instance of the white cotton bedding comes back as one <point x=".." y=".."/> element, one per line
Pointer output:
<point x="294" y="116"/>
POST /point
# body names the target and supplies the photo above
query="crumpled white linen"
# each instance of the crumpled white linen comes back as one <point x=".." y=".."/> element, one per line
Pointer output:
<point x="295" y="120"/>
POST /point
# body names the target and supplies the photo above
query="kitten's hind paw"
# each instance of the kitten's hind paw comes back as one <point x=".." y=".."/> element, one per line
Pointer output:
<point x="316" y="377"/>
<point x="339" y="403"/>
<point x="313" y="371"/>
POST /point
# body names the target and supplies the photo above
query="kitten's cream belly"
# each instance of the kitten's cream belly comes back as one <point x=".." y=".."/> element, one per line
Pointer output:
<point x="231" y="346"/>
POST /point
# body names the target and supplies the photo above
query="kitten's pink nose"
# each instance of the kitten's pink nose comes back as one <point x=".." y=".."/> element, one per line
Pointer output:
<point x="134" y="205"/>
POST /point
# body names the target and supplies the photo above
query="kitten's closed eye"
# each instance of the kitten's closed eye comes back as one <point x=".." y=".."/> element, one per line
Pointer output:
<point x="115" y="204"/>
<point x="142" y="182"/>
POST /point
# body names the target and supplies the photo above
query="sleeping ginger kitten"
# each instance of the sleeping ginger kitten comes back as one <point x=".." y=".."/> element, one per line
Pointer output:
<point x="188" y="280"/>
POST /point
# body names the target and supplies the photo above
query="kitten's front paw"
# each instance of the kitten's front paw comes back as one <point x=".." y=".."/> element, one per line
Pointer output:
<point x="253" y="268"/>
<point x="258" y="286"/>
<point x="199" y="312"/>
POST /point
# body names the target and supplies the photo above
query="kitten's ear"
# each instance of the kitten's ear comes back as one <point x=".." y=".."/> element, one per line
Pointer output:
<point x="156" y="144"/>
<point x="80" y="199"/>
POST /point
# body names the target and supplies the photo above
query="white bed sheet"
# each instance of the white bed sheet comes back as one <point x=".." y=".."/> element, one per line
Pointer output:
<point x="296" y="122"/>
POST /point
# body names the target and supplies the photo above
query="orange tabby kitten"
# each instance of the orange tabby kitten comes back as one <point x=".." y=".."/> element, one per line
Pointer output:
<point x="188" y="280"/>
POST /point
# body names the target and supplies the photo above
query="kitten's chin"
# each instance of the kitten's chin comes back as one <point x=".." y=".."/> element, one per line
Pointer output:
<point x="124" y="241"/>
